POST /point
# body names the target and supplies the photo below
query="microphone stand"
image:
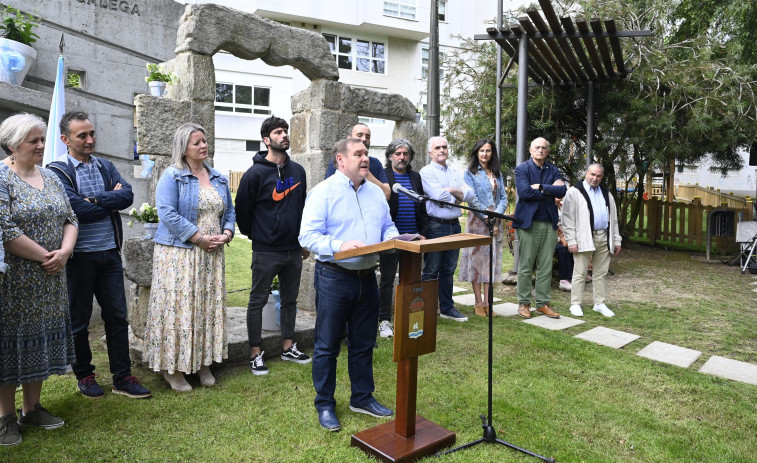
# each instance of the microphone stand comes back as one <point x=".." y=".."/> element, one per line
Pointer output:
<point x="490" y="434"/>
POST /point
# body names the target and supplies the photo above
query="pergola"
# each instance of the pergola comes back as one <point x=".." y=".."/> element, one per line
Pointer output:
<point x="556" y="51"/>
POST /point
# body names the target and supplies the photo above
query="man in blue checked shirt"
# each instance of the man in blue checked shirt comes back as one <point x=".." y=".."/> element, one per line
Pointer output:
<point x="345" y="212"/>
<point x="97" y="193"/>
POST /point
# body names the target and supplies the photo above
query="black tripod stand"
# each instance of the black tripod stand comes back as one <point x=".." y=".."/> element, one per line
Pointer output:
<point x="490" y="435"/>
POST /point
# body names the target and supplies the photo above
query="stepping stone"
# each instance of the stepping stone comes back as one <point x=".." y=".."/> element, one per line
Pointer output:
<point x="507" y="309"/>
<point x="457" y="289"/>
<point x="553" y="323"/>
<point x="608" y="337"/>
<point x="669" y="353"/>
<point x="469" y="299"/>
<point x="730" y="369"/>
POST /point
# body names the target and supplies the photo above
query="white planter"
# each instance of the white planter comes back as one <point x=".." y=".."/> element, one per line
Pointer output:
<point x="11" y="49"/>
<point x="150" y="229"/>
<point x="157" y="88"/>
<point x="270" y="314"/>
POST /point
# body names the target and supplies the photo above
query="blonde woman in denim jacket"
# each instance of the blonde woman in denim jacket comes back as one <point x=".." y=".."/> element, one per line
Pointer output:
<point x="186" y="317"/>
<point x="484" y="176"/>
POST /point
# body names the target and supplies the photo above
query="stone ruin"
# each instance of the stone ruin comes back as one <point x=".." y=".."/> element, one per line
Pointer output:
<point x="322" y="114"/>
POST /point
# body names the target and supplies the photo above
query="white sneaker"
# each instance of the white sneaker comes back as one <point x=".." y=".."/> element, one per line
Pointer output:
<point x="576" y="311"/>
<point x="565" y="285"/>
<point x="601" y="308"/>
<point x="385" y="329"/>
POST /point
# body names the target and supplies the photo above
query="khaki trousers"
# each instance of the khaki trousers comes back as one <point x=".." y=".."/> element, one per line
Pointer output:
<point x="600" y="259"/>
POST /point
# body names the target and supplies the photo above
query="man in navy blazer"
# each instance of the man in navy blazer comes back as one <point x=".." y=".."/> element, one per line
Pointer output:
<point x="407" y="215"/>
<point x="538" y="184"/>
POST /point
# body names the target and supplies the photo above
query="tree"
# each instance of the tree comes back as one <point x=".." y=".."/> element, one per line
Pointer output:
<point x="686" y="99"/>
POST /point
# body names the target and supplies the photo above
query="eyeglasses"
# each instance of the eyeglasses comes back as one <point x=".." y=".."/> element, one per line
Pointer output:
<point x="544" y="148"/>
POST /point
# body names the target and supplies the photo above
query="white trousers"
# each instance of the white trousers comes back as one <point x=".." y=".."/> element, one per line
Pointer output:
<point x="600" y="259"/>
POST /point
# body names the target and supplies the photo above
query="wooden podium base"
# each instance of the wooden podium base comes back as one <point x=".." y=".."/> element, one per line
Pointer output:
<point x="384" y="444"/>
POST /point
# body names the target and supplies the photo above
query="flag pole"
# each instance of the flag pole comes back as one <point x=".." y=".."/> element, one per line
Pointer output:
<point x="55" y="149"/>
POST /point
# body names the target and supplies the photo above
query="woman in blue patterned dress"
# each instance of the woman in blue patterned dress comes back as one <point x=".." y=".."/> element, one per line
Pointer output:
<point x="39" y="233"/>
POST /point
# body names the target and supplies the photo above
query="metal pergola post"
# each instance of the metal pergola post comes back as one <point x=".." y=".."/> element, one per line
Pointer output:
<point x="498" y="112"/>
<point x="432" y="98"/>
<point x="589" y="124"/>
<point x="522" y="122"/>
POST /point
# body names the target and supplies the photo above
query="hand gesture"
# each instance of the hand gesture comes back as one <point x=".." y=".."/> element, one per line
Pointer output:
<point x="347" y="245"/>
<point x="55" y="261"/>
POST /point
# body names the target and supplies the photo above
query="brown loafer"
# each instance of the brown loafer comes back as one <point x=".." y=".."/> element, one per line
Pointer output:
<point x="547" y="310"/>
<point x="524" y="311"/>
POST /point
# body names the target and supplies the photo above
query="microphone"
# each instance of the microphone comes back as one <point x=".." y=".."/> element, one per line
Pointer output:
<point x="418" y="198"/>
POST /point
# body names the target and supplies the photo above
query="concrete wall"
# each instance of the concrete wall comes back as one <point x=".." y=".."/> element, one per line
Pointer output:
<point x="111" y="41"/>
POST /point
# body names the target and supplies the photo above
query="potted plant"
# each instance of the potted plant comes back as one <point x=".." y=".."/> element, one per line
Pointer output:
<point x="157" y="79"/>
<point x="147" y="216"/>
<point x="16" y="53"/>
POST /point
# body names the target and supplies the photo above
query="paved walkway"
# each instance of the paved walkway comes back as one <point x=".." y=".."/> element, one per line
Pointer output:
<point x="657" y="350"/>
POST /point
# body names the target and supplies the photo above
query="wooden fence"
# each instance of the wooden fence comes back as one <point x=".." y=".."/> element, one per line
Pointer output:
<point x="682" y="223"/>
<point x="234" y="178"/>
<point x="709" y="196"/>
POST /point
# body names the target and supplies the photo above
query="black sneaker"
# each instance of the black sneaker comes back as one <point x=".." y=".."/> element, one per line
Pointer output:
<point x="294" y="355"/>
<point x="89" y="387"/>
<point x="10" y="434"/>
<point x="257" y="365"/>
<point x="130" y="387"/>
<point x="40" y="417"/>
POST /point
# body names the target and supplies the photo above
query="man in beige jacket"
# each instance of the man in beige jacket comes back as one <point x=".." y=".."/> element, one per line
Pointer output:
<point x="590" y="223"/>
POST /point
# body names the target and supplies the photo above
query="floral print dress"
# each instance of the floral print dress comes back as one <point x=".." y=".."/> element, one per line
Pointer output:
<point x="35" y="326"/>
<point x="474" y="262"/>
<point x="186" y="319"/>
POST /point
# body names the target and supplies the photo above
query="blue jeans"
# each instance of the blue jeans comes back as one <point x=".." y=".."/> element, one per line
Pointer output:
<point x="441" y="265"/>
<point x="344" y="300"/>
<point x="98" y="273"/>
<point x="388" y="264"/>
<point x="265" y="266"/>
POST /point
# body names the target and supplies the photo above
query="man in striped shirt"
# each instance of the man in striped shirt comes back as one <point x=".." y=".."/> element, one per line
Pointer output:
<point x="408" y="217"/>
<point x="96" y="192"/>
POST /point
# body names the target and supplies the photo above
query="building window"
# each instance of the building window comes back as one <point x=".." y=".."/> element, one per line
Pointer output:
<point x="400" y="8"/>
<point x="243" y="99"/>
<point x="357" y="54"/>
<point x="442" y="10"/>
<point x="424" y="64"/>
<point x="251" y="145"/>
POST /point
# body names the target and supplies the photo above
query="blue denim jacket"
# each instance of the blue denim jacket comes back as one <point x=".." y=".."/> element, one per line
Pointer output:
<point x="483" y="192"/>
<point x="177" y="197"/>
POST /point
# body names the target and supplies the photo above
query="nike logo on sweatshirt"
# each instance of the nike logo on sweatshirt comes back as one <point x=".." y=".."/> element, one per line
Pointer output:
<point x="278" y="196"/>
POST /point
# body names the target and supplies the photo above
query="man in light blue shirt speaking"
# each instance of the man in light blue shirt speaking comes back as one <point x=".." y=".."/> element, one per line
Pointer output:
<point x="341" y="213"/>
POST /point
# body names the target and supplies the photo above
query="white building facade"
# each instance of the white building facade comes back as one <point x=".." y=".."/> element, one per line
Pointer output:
<point x="381" y="45"/>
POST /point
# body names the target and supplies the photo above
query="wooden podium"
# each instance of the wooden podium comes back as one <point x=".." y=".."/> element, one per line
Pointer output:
<point x="410" y="437"/>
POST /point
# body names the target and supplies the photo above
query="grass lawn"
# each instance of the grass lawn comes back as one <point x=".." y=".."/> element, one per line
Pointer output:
<point x="554" y="394"/>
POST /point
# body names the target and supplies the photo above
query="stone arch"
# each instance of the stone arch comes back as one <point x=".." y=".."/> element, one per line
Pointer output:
<point x="321" y="114"/>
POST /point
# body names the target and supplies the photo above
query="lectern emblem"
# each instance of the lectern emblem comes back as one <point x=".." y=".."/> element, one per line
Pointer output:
<point x="416" y="318"/>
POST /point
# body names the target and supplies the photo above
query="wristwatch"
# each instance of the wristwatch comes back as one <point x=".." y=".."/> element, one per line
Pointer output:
<point x="541" y="187"/>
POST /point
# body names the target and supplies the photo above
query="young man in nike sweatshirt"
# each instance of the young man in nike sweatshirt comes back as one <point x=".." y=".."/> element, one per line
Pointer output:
<point x="269" y="205"/>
